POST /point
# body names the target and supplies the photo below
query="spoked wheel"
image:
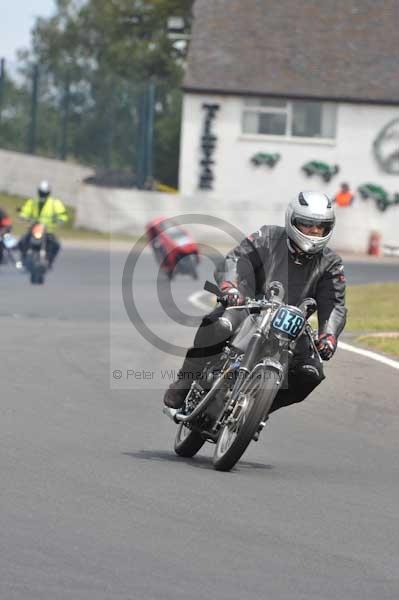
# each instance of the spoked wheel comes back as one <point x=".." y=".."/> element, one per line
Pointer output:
<point x="187" y="442"/>
<point x="250" y="409"/>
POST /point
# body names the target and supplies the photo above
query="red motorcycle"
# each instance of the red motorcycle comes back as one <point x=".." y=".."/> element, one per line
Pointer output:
<point x="174" y="248"/>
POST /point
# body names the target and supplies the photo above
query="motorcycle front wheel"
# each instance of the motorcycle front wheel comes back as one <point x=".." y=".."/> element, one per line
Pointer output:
<point x="37" y="273"/>
<point x="250" y="409"/>
<point x="187" y="442"/>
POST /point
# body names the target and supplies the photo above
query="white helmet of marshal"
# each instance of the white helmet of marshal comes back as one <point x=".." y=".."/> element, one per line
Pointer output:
<point x="309" y="209"/>
<point x="44" y="189"/>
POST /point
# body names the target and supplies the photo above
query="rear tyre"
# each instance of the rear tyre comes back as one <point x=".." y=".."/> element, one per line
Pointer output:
<point x="193" y="267"/>
<point x="187" y="442"/>
<point x="250" y="410"/>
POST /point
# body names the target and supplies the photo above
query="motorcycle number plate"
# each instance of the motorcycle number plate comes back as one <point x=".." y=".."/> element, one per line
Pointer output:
<point x="288" y="321"/>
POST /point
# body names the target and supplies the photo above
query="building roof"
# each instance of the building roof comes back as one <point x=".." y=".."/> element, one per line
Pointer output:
<point x="326" y="49"/>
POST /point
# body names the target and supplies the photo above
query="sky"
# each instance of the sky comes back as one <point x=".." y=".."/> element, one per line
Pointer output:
<point x="16" y="22"/>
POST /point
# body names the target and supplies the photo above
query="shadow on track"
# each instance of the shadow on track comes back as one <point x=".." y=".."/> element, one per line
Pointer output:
<point x="200" y="462"/>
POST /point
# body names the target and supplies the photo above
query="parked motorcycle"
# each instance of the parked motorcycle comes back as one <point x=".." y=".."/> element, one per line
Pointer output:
<point x="36" y="262"/>
<point x="229" y="404"/>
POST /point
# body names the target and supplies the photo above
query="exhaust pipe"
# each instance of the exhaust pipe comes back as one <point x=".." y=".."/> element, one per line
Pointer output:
<point x="171" y="413"/>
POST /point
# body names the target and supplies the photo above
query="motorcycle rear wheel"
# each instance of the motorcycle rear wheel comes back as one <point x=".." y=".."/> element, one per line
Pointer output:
<point x="187" y="442"/>
<point x="194" y="272"/>
<point x="251" y="408"/>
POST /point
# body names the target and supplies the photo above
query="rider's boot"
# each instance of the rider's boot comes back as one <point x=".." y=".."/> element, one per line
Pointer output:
<point x="175" y="395"/>
<point x="300" y="384"/>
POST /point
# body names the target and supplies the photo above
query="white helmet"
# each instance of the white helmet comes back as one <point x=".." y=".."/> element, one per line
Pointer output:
<point x="44" y="189"/>
<point x="309" y="208"/>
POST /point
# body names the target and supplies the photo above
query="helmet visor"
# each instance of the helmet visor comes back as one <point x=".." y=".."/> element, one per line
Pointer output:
<point x="324" y="225"/>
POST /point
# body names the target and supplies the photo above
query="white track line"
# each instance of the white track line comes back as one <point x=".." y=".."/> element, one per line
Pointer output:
<point x="196" y="300"/>
<point x="368" y="354"/>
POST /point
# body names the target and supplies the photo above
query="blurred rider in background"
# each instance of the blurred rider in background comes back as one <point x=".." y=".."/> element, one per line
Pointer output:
<point x="5" y="227"/>
<point x="5" y="222"/>
<point x="50" y="212"/>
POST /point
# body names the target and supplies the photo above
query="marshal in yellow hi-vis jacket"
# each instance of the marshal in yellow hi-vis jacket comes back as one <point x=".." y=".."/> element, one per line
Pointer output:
<point x="45" y="209"/>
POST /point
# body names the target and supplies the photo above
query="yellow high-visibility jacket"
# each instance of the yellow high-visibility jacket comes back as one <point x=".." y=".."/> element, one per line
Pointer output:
<point x="52" y="213"/>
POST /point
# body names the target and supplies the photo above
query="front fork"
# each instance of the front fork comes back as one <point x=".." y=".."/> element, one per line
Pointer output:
<point x="253" y="353"/>
<point x="253" y="361"/>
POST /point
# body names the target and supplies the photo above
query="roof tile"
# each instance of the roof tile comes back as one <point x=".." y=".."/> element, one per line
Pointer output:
<point x="337" y="49"/>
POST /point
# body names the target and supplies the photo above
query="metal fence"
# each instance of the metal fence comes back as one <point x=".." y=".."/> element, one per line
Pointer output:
<point x="107" y="123"/>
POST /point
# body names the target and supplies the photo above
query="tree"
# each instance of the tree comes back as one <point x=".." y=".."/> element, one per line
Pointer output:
<point x="13" y="116"/>
<point x="96" y="59"/>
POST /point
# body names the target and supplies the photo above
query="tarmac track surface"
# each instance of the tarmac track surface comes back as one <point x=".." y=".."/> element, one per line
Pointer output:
<point x="94" y="503"/>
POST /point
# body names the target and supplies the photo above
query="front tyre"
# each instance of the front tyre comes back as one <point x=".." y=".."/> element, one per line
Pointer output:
<point x="187" y="442"/>
<point x="34" y="277"/>
<point x="250" y="410"/>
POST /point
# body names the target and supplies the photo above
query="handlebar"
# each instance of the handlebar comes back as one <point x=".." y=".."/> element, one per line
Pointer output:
<point x="275" y="291"/>
<point x="212" y="288"/>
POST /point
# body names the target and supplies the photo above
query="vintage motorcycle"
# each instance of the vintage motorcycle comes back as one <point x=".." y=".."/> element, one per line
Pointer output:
<point x="36" y="262"/>
<point x="174" y="248"/>
<point x="229" y="404"/>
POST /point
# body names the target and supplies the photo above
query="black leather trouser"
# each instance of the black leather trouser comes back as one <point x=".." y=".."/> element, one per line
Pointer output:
<point x="304" y="375"/>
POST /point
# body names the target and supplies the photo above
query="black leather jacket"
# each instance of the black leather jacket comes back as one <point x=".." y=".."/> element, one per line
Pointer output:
<point x="264" y="257"/>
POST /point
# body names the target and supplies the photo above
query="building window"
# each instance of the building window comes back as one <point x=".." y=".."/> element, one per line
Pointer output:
<point x="289" y="118"/>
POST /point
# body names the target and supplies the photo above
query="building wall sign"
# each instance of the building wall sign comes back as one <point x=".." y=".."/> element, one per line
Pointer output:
<point x="322" y="169"/>
<point x="208" y="145"/>
<point x="265" y="158"/>
<point x="386" y="148"/>
<point x="382" y="199"/>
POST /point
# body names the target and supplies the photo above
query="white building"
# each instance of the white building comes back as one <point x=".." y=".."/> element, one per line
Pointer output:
<point x="273" y="86"/>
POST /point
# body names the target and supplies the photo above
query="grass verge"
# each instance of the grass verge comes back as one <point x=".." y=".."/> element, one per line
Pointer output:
<point x="383" y="344"/>
<point x="373" y="309"/>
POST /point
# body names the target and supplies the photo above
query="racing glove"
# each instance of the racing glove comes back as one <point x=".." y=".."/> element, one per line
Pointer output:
<point x="231" y="296"/>
<point x="326" y="345"/>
